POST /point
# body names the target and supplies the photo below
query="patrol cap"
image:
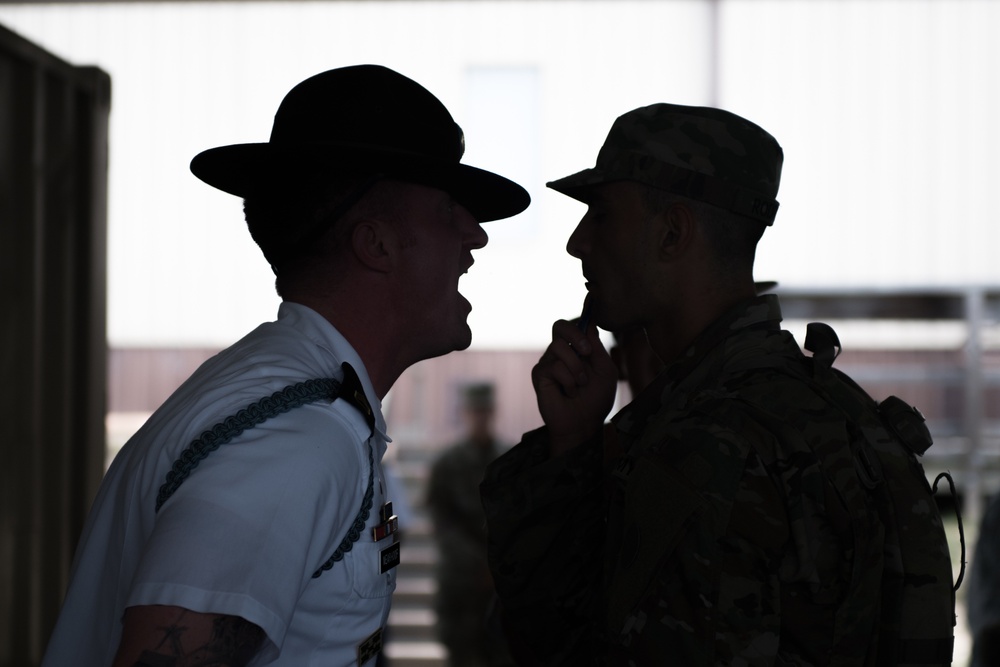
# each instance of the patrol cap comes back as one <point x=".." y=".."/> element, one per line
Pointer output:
<point x="703" y="153"/>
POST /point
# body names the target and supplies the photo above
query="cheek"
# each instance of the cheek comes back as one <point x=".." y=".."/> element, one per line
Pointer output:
<point x="434" y="280"/>
<point x="611" y="251"/>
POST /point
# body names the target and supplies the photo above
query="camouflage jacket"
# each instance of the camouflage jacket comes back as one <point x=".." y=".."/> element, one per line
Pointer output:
<point x="715" y="543"/>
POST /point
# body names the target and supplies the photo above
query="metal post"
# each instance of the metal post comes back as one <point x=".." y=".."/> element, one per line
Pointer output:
<point x="973" y="405"/>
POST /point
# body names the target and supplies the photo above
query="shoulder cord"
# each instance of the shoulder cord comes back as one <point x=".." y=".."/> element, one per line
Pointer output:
<point x="359" y="521"/>
<point x="292" y="396"/>
<point x="281" y="401"/>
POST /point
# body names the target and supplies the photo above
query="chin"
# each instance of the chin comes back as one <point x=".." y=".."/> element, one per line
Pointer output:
<point x="465" y="340"/>
<point x="459" y="340"/>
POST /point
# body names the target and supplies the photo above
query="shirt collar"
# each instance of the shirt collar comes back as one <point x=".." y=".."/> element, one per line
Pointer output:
<point x="325" y="335"/>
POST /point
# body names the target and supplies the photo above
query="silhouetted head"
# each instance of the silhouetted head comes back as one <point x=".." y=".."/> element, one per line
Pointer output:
<point x="335" y="135"/>
<point x="676" y="203"/>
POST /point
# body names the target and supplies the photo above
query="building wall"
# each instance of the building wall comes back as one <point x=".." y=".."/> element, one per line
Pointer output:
<point x="886" y="111"/>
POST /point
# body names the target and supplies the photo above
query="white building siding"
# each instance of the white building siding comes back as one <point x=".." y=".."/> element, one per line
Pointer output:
<point x="886" y="110"/>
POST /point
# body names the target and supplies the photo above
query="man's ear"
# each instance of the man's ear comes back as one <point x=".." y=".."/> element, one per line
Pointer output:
<point x="373" y="244"/>
<point x="678" y="229"/>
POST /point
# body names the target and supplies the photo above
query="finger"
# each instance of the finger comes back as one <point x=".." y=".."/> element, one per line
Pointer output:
<point x="563" y="353"/>
<point x="576" y="339"/>
<point x="594" y="338"/>
<point x="588" y="308"/>
<point x="554" y="374"/>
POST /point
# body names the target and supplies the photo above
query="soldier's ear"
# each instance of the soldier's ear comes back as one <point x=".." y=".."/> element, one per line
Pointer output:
<point x="677" y="230"/>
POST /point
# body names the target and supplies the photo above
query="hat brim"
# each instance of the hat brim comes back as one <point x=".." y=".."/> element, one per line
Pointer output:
<point x="242" y="169"/>
<point x="579" y="185"/>
<point x="680" y="181"/>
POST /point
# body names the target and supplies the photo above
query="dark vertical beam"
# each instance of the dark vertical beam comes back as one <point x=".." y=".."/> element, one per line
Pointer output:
<point x="17" y="333"/>
<point x="975" y="310"/>
<point x="53" y="183"/>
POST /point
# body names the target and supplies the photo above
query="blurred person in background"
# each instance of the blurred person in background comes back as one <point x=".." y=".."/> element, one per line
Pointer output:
<point x="465" y="591"/>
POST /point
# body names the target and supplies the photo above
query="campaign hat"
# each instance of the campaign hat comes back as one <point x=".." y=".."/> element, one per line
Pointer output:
<point x="702" y="153"/>
<point x="360" y="122"/>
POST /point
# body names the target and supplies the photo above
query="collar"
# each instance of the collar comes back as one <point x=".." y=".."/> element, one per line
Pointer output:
<point x="325" y="335"/>
<point x="762" y="312"/>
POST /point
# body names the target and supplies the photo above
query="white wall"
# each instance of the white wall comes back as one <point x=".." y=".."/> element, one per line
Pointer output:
<point x="885" y="108"/>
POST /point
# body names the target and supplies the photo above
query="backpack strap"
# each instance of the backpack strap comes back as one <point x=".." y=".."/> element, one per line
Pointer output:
<point x="256" y="413"/>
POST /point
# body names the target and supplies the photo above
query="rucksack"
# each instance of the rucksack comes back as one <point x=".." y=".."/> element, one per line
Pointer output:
<point x="899" y="533"/>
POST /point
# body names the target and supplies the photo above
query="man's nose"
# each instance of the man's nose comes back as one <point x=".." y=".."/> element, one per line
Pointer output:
<point x="476" y="236"/>
<point x="576" y="246"/>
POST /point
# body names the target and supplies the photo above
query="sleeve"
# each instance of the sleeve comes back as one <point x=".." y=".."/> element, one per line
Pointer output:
<point x="546" y="524"/>
<point x="246" y="531"/>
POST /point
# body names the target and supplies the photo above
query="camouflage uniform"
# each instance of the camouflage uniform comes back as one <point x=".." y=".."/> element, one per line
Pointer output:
<point x="718" y="544"/>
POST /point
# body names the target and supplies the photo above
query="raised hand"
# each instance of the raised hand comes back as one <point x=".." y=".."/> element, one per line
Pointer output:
<point x="575" y="382"/>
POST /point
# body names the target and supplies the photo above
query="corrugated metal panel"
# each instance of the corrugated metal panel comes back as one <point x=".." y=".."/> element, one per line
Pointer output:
<point x="189" y="76"/>
<point x="886" y="111"/>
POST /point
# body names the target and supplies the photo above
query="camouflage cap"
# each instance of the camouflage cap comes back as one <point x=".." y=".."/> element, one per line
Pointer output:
<point x="702" y="153"/>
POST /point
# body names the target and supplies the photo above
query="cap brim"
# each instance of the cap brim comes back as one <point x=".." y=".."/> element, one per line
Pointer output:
<point x="242" y="169"/>
<point x="764" y="286"/>
<point x="579" y="185"/>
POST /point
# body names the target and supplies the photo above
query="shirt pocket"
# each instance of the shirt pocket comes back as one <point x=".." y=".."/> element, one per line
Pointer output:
<point x="364" y="562"/>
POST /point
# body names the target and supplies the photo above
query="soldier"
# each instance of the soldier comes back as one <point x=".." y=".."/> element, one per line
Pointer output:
<point x="715" y="542"/>
<point x="465" y="587"/>
<point x="248" y="520"/>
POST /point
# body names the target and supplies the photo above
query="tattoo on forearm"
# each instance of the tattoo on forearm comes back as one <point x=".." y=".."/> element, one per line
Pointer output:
<point x="233" y="643"/>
